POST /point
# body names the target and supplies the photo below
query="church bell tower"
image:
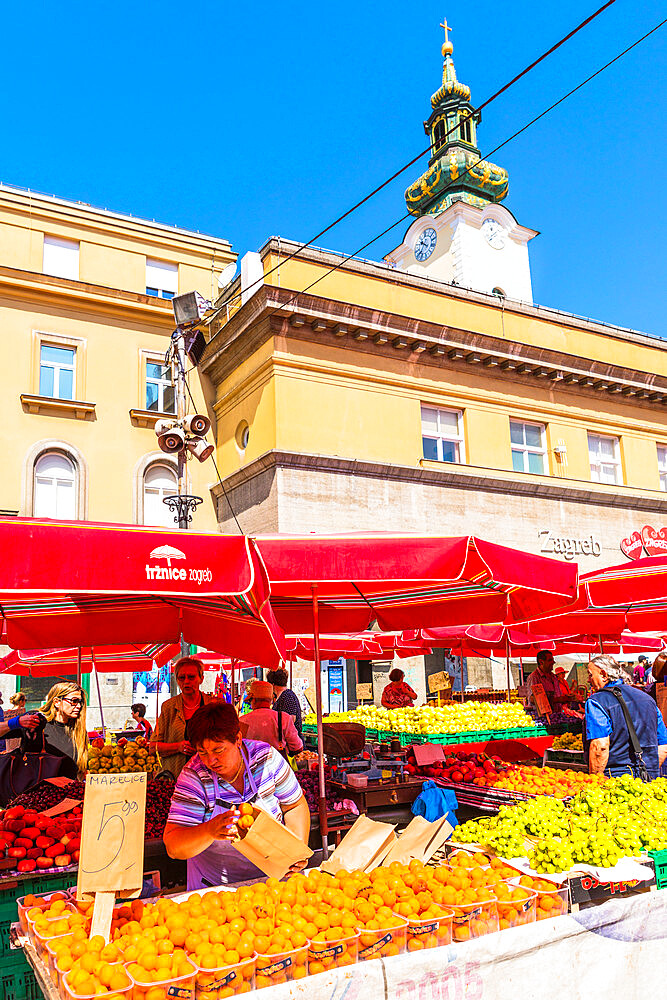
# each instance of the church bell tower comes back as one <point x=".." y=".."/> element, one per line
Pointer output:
<point x="462" y="234"/>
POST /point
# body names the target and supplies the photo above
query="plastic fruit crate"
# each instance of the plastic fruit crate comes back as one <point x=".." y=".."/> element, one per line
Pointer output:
<point x="17" y="980"/>
<point x="660" y="864"/>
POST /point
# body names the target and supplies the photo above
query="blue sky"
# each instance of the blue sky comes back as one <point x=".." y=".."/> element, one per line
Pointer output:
<point x="263" y="119"/>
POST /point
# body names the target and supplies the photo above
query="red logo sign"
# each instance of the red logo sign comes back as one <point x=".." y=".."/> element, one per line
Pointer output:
<point x="632" y="546"/>
<point x="655" y="542"/>
<point x="648" y="540"/>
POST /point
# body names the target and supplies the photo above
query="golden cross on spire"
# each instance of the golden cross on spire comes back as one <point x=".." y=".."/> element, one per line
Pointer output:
<point x="447" y="28"/>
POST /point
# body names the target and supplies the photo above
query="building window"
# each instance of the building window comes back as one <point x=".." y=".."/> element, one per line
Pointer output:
<point x="528" y="449"/>
<point x="54" y="487"/>
<point x="61" y="258"/>
<point x="466" y="128"/>
<point x="442" y="435"/>
<point x="159" y="482"/>
<point x="604" y="456"/>
<point x="662" y="466"/>
<point x="56" y="371"/>
<point x="440" y="133"/>
<point x="161" y="279"/>
<point x="160" y="394"/>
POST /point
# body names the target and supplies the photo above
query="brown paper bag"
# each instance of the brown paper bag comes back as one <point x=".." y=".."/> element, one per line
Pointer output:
<point x="419" y="841"/>
<point x="363" y="848"/>
<point x="271" y="846"/>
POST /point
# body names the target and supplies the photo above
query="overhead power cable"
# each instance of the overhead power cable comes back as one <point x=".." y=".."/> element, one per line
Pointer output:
<point x="505" y="142"/>
<point x="423" y="152"/>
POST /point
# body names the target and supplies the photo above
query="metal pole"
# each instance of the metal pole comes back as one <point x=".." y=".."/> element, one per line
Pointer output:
<point x="507" y="650"/>
<point x="322" y="803"/>
<point x="233" y="681"/>
<point x="78" y="666"/>
<point x="178" y="377"/>
<point x="99" y="696"/>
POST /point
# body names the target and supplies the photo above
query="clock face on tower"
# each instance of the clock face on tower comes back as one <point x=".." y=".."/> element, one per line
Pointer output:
<point x="425" y="245"/>
<point x="494" y="233"/>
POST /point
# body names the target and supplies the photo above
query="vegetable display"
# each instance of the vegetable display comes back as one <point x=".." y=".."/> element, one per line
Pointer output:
<point x="309" y="783"/>
<point x="158" y="799"/>
<point x="471" y="716"/>
<point x="621" y="817"/>
<point x="39" y="843"/>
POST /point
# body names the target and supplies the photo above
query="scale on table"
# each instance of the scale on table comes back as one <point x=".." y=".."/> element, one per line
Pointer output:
<point x="345" y="743"/>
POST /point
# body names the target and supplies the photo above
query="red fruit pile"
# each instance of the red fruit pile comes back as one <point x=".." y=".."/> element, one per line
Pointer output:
<point x="462" y="768"/>
<point x="35" y="841"/>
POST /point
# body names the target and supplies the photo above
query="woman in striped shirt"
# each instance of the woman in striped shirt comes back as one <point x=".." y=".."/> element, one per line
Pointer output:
<point x="226" y="771"/>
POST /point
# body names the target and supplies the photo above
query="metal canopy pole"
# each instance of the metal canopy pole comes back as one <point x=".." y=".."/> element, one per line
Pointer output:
<point x="78" y="665"/>
<point x="99" y="696"/>
<point x="322" y="798"/>
<point x="507" y="650"/>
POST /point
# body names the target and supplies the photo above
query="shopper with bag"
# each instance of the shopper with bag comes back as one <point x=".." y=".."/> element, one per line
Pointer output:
<point x="54" y="742"/>
<point x="623" y="731"/>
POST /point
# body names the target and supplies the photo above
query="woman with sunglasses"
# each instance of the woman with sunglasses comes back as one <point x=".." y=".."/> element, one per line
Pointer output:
<point x="61" y="728"/>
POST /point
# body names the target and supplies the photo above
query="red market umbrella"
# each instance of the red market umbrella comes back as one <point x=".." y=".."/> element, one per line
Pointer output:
<point x="333" y="646"/>
<point x="67" y="584"/>
<point x="485" y="640"/>
<point x="343" y="583"/>
<point x="408" y="581"/>
<point x="105" y="659"/>
<point x="632" y="597"/>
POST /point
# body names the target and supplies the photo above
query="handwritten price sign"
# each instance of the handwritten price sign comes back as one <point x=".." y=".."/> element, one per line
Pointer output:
<point x="112" y="833"/>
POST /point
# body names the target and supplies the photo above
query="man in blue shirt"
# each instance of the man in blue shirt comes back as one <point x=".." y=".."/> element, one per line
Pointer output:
<point x="606" y="738"/>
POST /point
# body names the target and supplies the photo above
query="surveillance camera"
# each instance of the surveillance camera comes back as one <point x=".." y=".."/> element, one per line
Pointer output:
<point x="200" y="448"/>
<point x="197" y="424"/>
<point x="171" y="439"/>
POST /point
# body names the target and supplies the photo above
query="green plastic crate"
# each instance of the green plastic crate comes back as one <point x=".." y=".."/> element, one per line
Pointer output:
<point x="17" y="980"/>
<point x="660" y="864"/>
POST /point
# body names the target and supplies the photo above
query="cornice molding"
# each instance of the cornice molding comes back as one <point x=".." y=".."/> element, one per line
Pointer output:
<point x="36" y="287"/>
<point x="462" y="477"/>
<point x="273" y="311"/>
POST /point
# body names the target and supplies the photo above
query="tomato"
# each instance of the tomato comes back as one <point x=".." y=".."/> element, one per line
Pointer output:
<point x="23" y="842"/>
<point x="54" y="850"/>
<point x="34" y="852"/>
<point x="16" y="852"/>
<point x="30" y="832"/>
<point x="44" y="842"/>
<point x="9" y="836"/>
<point x="45" y="862"/>
<point x="26" y="866"/>
<point x="63" y="860"/>
<point x="16" y="812"/>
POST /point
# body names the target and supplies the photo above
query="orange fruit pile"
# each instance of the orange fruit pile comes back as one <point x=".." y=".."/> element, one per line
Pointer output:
<point x="541" y="780"/>
<point x="516" y="905"/>
<point x="551" y="898"/>
<point x="227" y="942"/>
<point x="96" y="971"/>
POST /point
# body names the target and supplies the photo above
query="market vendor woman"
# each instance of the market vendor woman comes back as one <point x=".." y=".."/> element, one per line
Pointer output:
<point x="226" y="771"/>
<point x="397" y="693"/>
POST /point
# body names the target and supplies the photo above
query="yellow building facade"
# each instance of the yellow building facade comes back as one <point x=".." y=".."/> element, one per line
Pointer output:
<point x="85" y="321"/>
<point x="386" y="400"/>
<point x="427" y="392"/>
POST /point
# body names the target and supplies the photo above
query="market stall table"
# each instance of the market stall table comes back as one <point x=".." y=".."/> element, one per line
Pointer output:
<point x="619" y="948"/>
<point x="377" y="795"/>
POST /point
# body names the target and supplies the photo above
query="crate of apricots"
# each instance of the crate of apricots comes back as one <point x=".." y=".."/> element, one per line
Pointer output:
<point x="221" y="943"/>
